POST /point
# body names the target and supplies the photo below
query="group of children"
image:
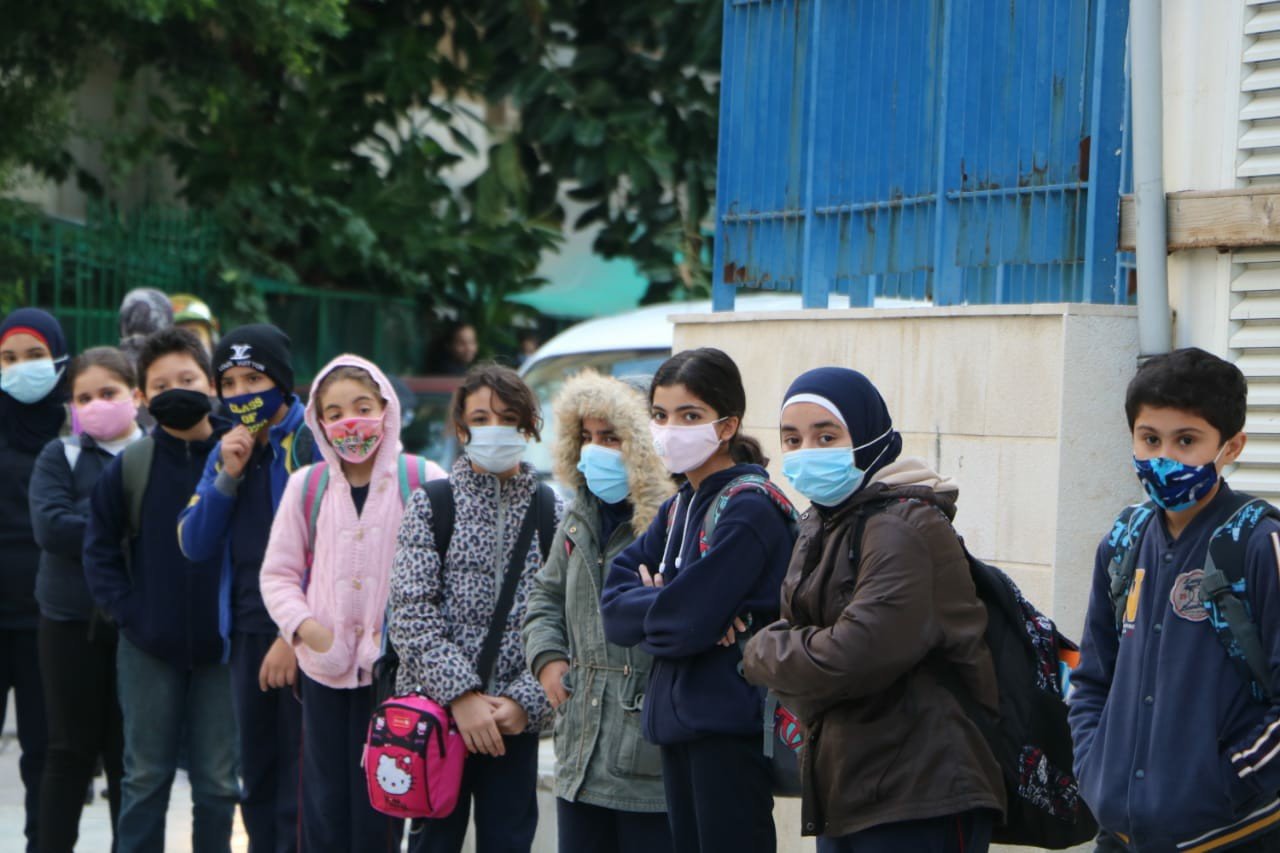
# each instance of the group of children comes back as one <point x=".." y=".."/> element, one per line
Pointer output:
<point x="216" y="594"/>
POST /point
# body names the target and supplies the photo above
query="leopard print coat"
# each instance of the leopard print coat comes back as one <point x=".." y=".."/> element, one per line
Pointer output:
<point x="439" y="615"/>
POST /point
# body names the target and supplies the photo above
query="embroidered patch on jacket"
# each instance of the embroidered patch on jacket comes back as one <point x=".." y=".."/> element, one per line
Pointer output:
<point x="1131" y="603"/>
<point x="1185" y="596"/>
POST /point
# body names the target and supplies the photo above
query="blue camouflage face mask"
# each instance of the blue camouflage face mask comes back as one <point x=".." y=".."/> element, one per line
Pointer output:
<point x="1174" y="485"/>
<point x="30" y="381"/>
<point x="605" y="472"/>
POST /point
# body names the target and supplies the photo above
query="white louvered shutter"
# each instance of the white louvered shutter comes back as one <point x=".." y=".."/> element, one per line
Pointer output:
<point x="1260" y="93"/>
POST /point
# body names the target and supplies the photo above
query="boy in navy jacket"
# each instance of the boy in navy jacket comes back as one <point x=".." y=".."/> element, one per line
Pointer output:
<point x="171" y="660"/>
<point x="1173" y="749"/>
<point x="230" y="518"/>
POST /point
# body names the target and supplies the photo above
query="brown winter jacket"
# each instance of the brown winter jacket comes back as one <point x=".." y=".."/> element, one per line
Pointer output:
<point x="857" y="650"/>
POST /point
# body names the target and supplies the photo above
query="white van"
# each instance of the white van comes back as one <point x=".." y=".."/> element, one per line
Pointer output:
<point x="633" y="344"/>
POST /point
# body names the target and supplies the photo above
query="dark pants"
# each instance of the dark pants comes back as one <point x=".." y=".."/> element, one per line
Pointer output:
<point x="1269" y="843"/>
<point x="719" y="795"/>
<point x="585" y="827"/>
<point x="506" y="801"/>
<point x="336" y="815"/>
<point x="20" y="671"/>
<point x="84" y="725"/>
<point x="964" y="833"/>
<point x="270" y="736"/>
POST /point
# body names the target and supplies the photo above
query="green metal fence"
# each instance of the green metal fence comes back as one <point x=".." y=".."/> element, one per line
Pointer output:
<point x="85" y="270"/>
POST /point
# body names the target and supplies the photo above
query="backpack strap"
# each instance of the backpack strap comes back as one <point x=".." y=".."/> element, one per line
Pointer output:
<point x="545" y="498"/>
<point x="302" y="449"/>
<point x="738" y="485"/>
<point x="71" y="449"/>
<point x="135" y="465"/>
<point x="1223" y="586"/>
<point x="313" y="488"/>
<point x="1126" y="536"/>
<point x="510" y="581"/>
<point x="413" y="473"/>
<point x="440" y="496"/>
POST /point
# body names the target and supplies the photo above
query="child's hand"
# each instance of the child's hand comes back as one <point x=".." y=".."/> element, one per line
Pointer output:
<point x="477" y="724"/>
<point x="511" y="718"/>
<point x="315" y="636"/>
<point x="237" y="446"/>
<point x="647" y="579"/>
<point x="729" y="636"/>
<point x="279" y="667"/>
<point x="551" y="677"/>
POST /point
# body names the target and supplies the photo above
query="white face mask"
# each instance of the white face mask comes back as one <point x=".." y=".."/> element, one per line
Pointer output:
<point x="496" y="448"/>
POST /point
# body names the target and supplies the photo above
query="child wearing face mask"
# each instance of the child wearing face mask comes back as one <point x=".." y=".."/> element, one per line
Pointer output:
<point x="683" y="596"/>
<point x="33" y="357"/>
<point x="77" y="645"/>
<point x="230" y="515"/>
<point x="326" y="588"/>
<point x="609" y="795"/>
<point x="441" y="611"/>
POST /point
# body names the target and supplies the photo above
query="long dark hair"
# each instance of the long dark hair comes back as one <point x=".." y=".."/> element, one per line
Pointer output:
<point x="712" y="377"/>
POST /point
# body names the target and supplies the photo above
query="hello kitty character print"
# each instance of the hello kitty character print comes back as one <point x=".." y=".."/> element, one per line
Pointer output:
<point x="393" y="774"/>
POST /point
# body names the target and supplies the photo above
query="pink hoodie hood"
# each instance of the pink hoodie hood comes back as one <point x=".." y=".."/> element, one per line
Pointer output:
<point x="387" y="452"/>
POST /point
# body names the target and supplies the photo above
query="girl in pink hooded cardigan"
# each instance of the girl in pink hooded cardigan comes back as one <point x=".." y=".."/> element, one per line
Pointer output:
<point x="335" y="622"/>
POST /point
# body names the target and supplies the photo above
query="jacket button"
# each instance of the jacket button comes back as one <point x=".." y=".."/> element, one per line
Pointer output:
<point x="1150" y="700"/>
<point x="808" y="827"/>
<point x="360" y="534"/>
<point x="573" y="530"/>
<point x="355" y="583"/>
<point x="595" y="702"/>
<point x="1141" y="774"/>
<point x="359" y="631"/>
<point x="1157" y="628"/>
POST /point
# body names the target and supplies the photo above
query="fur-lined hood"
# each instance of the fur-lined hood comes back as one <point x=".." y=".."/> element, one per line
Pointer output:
<point x="590" y="395"/>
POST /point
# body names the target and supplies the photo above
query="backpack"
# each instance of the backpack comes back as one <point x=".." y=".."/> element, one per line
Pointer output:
<point x="135" y="472"/>
<point x="414" y="755"/>
<point x="1029" y="736"/>
<point x="777" y="723"/>
<point x="1222" y="588"/>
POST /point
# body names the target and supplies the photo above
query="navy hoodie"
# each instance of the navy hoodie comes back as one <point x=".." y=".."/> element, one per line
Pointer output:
<point x="232" y="518"/>
<point x="18" y="610"/>
<point x="1172" y="749"/>
<point x="163" y="603"/>
<point x="695" y="688"/>
<point x="59" y="513"/>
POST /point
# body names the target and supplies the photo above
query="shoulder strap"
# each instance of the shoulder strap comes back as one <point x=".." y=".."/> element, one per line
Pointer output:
<point x="135" y="464"/>
<point x="745" y="483"/>
<point x="413" y="474"/>
<point x="1223" y="585"/>
<point x="313" y="489"/>
<point x="1126" y="536"/>
<point x="545" y="497"/>
<point x="71" y="449"/>
<point x="440" y="496"/>
<point x="507" y="596"/>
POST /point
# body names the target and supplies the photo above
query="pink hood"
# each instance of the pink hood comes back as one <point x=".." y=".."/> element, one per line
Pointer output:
<point x="389" y="450"/>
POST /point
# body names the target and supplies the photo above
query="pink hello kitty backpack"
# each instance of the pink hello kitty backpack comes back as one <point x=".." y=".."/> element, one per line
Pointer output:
<point x="413" y="759"/>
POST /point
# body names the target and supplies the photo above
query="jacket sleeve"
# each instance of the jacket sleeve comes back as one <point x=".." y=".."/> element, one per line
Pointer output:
<point x="886" y="629"/>
<point x="1256" y="757"/>
<point x="691" y="613"/>
<point x="418" y="625"/>
<point x="55" y="518"/>
<point x="106" y="570"/>
<point x="203" y="525"/>
<point x="625" y="600"/>
<point x="285" y="563"/>
<point x="1099" y="646"/>
<point x="545" y="634"/>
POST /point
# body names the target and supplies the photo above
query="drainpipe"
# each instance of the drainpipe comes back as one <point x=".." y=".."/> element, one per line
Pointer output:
<point x="1155" y="334"/>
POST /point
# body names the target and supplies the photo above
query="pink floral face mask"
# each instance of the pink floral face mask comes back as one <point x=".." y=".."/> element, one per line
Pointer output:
<point x="355" y="439"/>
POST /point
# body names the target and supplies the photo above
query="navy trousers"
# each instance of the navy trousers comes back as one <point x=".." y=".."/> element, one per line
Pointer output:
<point x="336" y="815"/>
<point x="719" y="795"/>
<point x="963" y="833"/>
<point x="20" y="671"/>
<point x="506" y="801"/>
<point x="585" y="827"/>
<point x="270" y="726"/>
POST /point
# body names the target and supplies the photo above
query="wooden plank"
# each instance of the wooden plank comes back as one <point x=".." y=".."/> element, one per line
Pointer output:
<point x="1229" y="219"/>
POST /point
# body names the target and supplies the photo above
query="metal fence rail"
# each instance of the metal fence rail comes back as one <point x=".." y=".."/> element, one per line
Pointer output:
<point x="947" y="150"/>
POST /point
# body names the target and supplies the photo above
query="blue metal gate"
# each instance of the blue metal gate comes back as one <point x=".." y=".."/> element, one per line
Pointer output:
<point x="959" y="151"/>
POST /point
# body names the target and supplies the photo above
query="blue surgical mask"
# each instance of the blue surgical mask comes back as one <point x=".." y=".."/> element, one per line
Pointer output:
<point x="255" y="409"/>
<point x="827" y="475"/>
<point x="30" y="381"/>
<point x="1174" y="485"/>
<point x="496" y="448"/>
<point x="605" y="472"/>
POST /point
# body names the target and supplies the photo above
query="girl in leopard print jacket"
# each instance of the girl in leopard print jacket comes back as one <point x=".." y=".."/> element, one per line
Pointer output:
<point x="440" y="614"/>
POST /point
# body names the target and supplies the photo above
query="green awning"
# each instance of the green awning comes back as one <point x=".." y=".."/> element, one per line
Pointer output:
<point x="581" y="286"/>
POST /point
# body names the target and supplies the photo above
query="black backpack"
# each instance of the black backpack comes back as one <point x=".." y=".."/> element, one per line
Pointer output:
<point x="1029" y="737"/>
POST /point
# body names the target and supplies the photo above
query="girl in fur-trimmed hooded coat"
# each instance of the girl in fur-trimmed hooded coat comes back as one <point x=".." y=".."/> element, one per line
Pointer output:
<point x="609" y="794"/>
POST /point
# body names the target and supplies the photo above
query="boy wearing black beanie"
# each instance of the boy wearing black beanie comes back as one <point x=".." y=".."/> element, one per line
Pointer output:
<point x="232" y="510"/>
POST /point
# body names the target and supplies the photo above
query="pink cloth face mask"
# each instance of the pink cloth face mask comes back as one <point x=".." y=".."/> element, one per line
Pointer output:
<point x="684" y="448"/>
<point x="104" y="420"/>
<point x="355" y="439"/>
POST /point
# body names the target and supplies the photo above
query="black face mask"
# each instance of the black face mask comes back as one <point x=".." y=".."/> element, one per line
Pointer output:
<point x="179" y="408"/>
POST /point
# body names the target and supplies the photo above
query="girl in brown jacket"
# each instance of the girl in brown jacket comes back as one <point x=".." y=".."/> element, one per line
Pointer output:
<point x="877" y="605"/>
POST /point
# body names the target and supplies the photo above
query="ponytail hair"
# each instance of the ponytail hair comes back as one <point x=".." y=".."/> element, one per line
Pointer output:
<point x="712" y="377"/>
